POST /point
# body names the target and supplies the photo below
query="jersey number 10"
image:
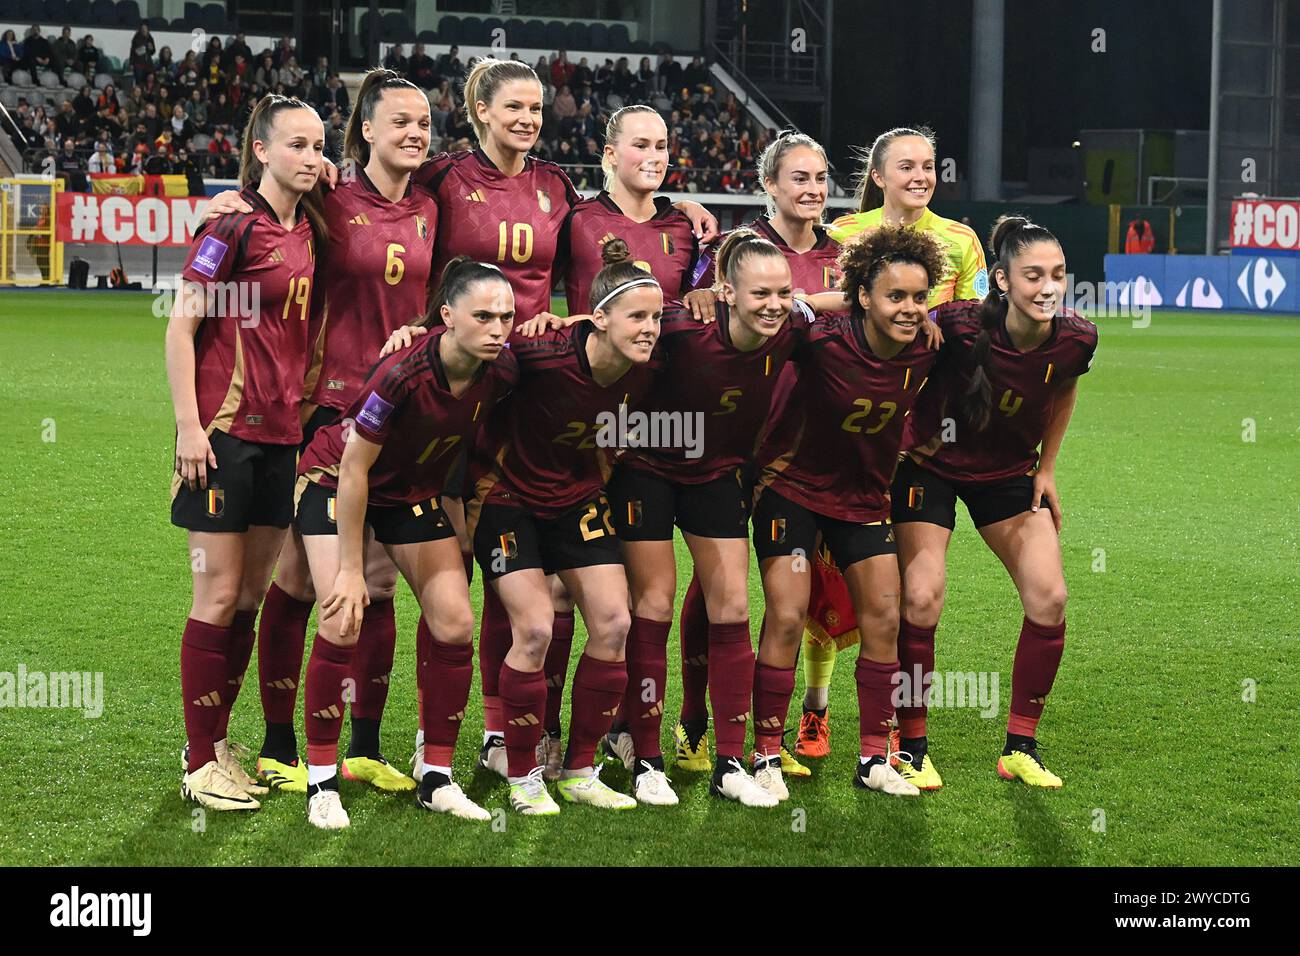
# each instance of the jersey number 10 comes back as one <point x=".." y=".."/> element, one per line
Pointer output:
<point x="519" y="239"/>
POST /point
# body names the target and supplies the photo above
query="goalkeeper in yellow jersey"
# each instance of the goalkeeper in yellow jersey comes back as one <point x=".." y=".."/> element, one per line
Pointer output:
<point x="895" y="185"/>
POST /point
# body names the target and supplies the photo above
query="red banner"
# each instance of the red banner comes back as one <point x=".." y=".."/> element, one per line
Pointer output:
<point x="1266" y="224"/>
<point x="130" y="220"/>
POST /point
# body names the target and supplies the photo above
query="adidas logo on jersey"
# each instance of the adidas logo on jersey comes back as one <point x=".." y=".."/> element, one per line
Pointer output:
<point x="475" y="196"/>
<point x="361" y="219"/>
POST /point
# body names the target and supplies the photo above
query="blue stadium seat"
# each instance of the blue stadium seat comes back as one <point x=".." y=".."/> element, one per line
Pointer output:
<point x="213" y="18"/>
<point x="396" y="28"/>
<point x="105" y="12"/>
<point x="56" y="9"/>
<point x="449" y="30"/>
<point x="79" y="12"/>
<point x="473" y="32"/>
<point x="534" y="34"/>
<point x="193" y="11"/>
<point x="619" y="39"/>
<point x="32" y="10"/>
<point x="181" y="25"/>
<point x="641" y="46"/>
<point x="599" y="36"/>
<point x="427" y="36"/>
<point x="157" y="23"/>
<point x="555" y="35"/>
<point x="577" y="36"/>
<point x="128" y="13"/>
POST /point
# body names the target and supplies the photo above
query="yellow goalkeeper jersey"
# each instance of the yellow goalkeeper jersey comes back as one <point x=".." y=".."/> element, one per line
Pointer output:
<point x="967" y="276"/>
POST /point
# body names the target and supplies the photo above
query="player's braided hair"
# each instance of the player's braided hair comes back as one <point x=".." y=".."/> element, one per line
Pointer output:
<point x="741" y="245"/>
<point x="1011" y="235"/>
<point x="486" y="77"/>
<point x="614" y="130"/>
<point x="865" y="256"/>
<point x="869" y="195"/>
<point x="373" y="86"/>
<point x="261" y="123"/>
<point x="619" y="270"/>
<point x="457" y="276"/>
<point x="769" y="161"/>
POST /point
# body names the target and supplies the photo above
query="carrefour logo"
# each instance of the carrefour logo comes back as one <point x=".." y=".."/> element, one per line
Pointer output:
<point x="1261" y="282"/>
<point x="1203" y="294"/>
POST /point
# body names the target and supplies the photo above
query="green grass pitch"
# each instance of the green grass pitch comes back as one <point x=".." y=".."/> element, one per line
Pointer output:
<point x="1173" y="721"/>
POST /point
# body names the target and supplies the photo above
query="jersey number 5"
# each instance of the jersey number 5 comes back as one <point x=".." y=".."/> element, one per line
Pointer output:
<point x="852" y="421"/>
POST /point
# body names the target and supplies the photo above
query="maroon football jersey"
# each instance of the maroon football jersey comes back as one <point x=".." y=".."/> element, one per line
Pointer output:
<point x="553" y="457"/>
<point x="702" y="373"/>
<point x="249" y="367"/>
<point x="836" y="447"/>
<point x="512" y="222"/>
<point x="811" y="272"/>
<point x="1025" y="386"/>
<point x="664" y="245"/>
<point x="374" y="277"/>
<point x="407" y="406"/>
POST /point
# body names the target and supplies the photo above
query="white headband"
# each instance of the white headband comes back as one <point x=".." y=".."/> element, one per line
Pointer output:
<point x="631" y="283"/>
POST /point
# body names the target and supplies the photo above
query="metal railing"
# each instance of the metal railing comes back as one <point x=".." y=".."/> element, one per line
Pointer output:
<point x="777" y="62"/>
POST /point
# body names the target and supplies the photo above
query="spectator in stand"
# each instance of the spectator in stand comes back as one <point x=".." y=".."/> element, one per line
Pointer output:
<point x="645" y="79"/>
<point x="156" y="163"/>
<point x="65" y="51"/>
<point x="238" y="47"/>
<point x="670" y="73"/>
<point x="152" y="122"/>
<point x="441" y="105"/>
<point x="319" y="74"/>
<point x="166" y="67"/>
<point x="421" y="68"/>
<point x="266" y="74"/>
<point x="335" y="132"/>
<point x="582" y="74"/>
<point x="72" y="166"/>
<point x="67" y="125"/>
<point x="561" y="70"/>
<point x="142" y="51"/>
<point x="37" y="53"/>
<point x="101" y="161"/>
<point x="283" y="50"/>
<point x="185" y="165"/>
<point x="11" y="54"/>
<point x="623" y="83"/>
<point x="181" y="128"/>
<point x="107" y="100"/>
<point x="695" y="75"/>
<point x="221" y="156"/>
<point x="196" y="108"/>
<point x="396" y="60"/>
<point x="214" y="69"/>
<point x="706" y="107"/>
<point x="221" y="113"/>
<point x="449" y="65"/>
<point x="88" y="56"/>
<point x="602" y="84"/>
<point x="564" y="107"/>
<point x="338" y="94"/>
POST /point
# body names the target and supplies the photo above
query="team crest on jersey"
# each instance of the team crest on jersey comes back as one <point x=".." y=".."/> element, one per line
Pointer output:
<point x="544" y="201"/>
<point x="981" y="283"/>
<point x="330" y="511"/>
<point x="635" y="513"/>
<point x="216" y="501"/>
<point x="422" y="227"/>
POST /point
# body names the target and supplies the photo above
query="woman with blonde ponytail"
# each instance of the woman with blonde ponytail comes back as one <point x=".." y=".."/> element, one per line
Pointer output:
<point x="988" y="430"/>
